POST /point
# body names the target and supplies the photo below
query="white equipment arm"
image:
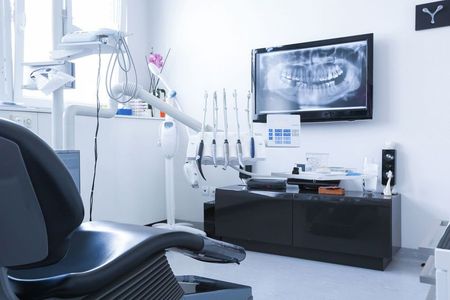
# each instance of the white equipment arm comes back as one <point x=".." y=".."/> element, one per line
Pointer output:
<point x="172" y="111"/>
<point x="125" y="90"/>
<point x="83" y="110"/>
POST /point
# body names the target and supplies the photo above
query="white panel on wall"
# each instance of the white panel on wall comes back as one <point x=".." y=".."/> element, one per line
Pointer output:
<point x="211" y="43"/>
<point x="130" y="171"/>
<point x="45" y="127"/>
<point x="27" y="119"/>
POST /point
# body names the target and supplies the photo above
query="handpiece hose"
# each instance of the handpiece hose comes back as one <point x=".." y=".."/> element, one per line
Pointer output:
<point x="250" y="127"/>
<point x="226" y="147"/>
<point x="238" y="142"/>
<point x="202" y="144"/>
<point x="215" y="121"/>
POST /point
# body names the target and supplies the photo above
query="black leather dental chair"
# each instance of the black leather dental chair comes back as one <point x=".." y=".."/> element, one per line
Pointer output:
<point x="47" y="252"/>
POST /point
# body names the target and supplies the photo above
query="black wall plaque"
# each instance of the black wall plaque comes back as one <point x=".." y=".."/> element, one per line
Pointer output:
<point x="433" y="15"/>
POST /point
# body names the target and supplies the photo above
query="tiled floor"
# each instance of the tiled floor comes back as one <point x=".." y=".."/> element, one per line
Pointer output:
<point x="278" y="277"/>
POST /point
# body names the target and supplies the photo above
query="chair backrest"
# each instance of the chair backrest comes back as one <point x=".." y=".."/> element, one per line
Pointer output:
<point x="23" y="235"/>
<point x="59" y="200"/>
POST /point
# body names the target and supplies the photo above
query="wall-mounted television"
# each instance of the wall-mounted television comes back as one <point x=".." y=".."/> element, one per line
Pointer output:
<point x="328" y="80"/>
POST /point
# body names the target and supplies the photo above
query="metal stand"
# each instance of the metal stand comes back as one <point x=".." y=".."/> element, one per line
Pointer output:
<point x="5" y="289"/>
<point x="168" y="142"/>
<point x="57" y="119"/>
<point x="170" y="203"/>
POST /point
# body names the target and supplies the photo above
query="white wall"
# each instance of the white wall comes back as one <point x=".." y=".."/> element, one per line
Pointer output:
<point x="137" y="25"/>
<point x="211" y="43"/>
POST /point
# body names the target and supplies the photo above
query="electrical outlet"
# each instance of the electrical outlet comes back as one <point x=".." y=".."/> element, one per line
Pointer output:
<point x="205" y="191"/>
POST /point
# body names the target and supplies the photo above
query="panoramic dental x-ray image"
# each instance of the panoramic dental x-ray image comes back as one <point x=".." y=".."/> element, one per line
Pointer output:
<point x="312" y="78"/>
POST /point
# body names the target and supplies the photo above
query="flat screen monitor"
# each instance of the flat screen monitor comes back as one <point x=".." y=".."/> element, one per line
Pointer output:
<point x="328" y="80"/>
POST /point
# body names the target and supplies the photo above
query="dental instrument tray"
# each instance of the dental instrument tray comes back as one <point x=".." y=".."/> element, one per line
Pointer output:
<point x="312" y="181"/>
<point x="312" y="185"/>
<point x="321" y="176"/>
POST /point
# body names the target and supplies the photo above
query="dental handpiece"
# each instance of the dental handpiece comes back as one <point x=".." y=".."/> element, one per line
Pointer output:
<point x="250" y="127"/>
<point x="205" y="109"/>
<point x="238" y="142"/>
<point x="202" y="145"/>
<point x="215" y="121"/>
<point x="226" y="147"/>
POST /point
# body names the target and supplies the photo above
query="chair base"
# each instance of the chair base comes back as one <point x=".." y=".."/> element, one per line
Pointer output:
<point x="154" y="280"/>
<point x="200" y="288"/>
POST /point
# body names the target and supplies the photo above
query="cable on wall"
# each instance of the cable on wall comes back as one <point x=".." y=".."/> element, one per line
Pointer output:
<point x="121" y="56"/>
<point x="97" y="127"/>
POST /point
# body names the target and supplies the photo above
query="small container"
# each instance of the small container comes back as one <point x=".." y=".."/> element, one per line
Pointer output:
<point x="316" y="161"/>
<point x="124" y="112"/>
<point x="138" y="107"/>
<point x="370" y="179"/>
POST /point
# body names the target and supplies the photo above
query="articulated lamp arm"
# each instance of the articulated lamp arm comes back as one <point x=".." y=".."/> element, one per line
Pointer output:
<point x="172" y="111"/>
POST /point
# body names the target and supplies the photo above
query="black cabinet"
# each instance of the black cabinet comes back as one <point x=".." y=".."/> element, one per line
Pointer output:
<point x="355" y="229"/>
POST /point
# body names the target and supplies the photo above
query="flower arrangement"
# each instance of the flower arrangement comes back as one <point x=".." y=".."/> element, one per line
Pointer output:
<point x="158" y="61"/>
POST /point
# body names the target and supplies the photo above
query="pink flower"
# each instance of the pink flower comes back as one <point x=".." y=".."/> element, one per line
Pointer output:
<point x="156" y="59"/>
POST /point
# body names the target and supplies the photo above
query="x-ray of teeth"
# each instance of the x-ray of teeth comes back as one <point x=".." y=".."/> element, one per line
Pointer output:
<point x="312" y="78"/>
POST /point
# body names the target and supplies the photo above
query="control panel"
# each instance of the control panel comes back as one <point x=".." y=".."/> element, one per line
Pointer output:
<point x="283" y="130"/>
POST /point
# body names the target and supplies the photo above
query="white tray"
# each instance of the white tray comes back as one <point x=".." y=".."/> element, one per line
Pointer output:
<point x="321" y="176"/>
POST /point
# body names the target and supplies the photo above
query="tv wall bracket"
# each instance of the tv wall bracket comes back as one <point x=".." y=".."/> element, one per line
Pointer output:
<point x="432" y="15"/>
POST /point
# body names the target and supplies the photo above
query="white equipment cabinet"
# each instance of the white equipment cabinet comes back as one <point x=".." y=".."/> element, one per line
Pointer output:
<point x="27" y="119"/>
<point x="442" y="265"/>
<point x="436" y="270"/>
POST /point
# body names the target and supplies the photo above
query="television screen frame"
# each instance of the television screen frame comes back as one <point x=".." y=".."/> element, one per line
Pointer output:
<point x="322" y="115"/>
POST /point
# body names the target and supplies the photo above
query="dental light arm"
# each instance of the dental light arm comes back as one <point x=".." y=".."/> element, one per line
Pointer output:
<point x="172" y="111"/>
<point x="83" y="110"/>
<point x="84" y="43"/>
<point x="76" y="45"/>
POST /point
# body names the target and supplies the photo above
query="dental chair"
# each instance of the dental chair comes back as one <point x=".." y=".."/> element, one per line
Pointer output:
<point x="47" y="252"/>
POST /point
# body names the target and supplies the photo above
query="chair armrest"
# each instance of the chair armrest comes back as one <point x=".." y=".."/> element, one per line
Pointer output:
<point x="215" y="251"/>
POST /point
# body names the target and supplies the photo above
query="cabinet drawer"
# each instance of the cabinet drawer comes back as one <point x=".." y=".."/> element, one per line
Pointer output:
<point x="343" y="227"/>
<point x="263" y="217"/>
